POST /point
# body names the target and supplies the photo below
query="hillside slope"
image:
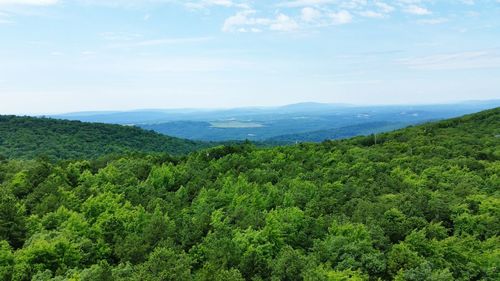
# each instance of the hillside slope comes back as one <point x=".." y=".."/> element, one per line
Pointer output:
<point x="339" y="133"/>
<point x="28" y="137"/>
<point x="421" y="203"/>
<point x="307" y="122"/>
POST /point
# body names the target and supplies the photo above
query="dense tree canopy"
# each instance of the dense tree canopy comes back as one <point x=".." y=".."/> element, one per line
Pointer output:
<point x="28" y="137"/>
<point x="421" y="203"/>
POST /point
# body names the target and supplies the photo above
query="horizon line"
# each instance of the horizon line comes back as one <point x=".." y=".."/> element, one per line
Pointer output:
<point x="352" y="105"/>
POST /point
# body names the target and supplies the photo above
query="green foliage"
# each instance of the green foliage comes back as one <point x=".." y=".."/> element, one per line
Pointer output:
<point x="164" y="264"/>
<point x="12" y="219"/>
<point x="420" y="204"/>
<point x="28" y="138"/>
<point x="6" y="260"/>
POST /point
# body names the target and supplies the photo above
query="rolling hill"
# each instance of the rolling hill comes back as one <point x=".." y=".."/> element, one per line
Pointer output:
<point x="339" y="133"/>
<point x="287" y="112"/>
<point x="304" y="122"/>
<point x="420" y="203"/>
<point x="28" y="137"/>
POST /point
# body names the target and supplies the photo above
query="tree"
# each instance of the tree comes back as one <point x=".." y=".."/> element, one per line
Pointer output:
<point x="165" y="264"/>
<point x="12" y="219"/>
<point x="6" y="260"/>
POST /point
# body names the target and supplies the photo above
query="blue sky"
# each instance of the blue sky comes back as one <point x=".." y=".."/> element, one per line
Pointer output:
<point x="75" y="55"/>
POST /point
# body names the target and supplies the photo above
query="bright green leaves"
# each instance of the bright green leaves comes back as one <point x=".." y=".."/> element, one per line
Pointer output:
<point x="48" y="251"/>
<point x="350" y="246"/>
<point x="478" y="216"/>
<point x="165" y="264"/>
<point x="6" y="260"/>
<point x="12" y="218"/>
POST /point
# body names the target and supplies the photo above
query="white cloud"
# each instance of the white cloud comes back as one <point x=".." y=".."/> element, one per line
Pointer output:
<point x="384" y="7"/>
<point x="305" y="3"/>
<point x="285" y="15"/>
<point x="417" y="10"/>
<point x="468" y="2"/>
<point x="203" y="4"/>
<point x="353" y="4"/>
<point x="284" y="23"/>
<point x="225" y="3"/>
<point x="309" y="14"/>
<point x="189" y="4"/>
<point x="246" y="21"/>
<point x="243" y="19"/>
<point x="371" y="14"/>
<point x="28" y="2"/>
<point x="341" y="17"/>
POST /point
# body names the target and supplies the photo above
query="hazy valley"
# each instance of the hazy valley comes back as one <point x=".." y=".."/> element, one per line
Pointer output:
<point x="304" y="122"/>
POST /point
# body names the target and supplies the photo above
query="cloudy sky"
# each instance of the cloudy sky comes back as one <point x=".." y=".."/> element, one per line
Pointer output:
<point x="75" y="55"/>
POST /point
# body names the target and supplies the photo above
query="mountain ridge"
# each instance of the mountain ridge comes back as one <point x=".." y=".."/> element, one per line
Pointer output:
<point x="273" y="122"/>
<point x="29" y="137"/>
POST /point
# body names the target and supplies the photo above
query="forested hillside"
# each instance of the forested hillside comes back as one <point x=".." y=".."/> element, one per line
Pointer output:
<point x="28" y="137"/>
<point x="339" y="133"/>
<point x="421" y="203"/>
<point x="303" y="122"/>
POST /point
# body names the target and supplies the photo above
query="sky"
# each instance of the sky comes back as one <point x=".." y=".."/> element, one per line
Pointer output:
<point x="85" y="55"/>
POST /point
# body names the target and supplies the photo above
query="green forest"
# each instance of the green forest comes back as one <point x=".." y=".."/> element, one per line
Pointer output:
<point x="30" y="137"/>
<point x="421" y="203"/>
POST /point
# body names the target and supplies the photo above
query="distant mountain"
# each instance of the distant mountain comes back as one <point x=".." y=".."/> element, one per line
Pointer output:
<point x="308" y="106"/>
<point x="263" y="123"/>
<point x="29" y="137"/>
